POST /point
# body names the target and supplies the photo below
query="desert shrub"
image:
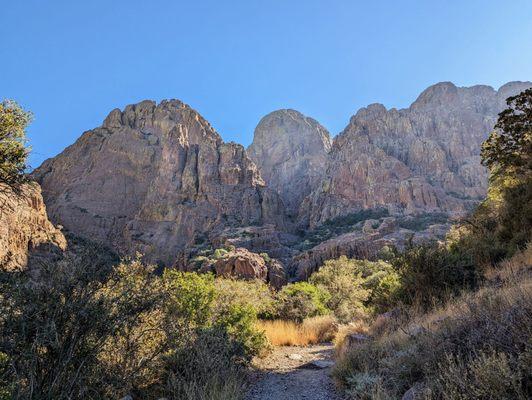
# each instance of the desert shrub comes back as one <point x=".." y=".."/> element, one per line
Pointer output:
<point x="477" y="344"/>
<point x="484" y="375"/>
<point x="432" y="273"/>
<point x="356" y="287"/>
<point x="343" y="282"/>
<point x="120" y="330"/>
<point x="209" y="366"/>
<point x="239" y="321"/>
<point x="301" y="300"/>
<point x="255" y="293"/>
<point x="219" y="253"/>
<point x="191" y="296"/>
<point x="59" y="315"/>
<point x="6" y="386"/>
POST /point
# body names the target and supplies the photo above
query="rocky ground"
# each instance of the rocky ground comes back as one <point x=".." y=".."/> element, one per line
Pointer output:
<point x="292" y="373"/>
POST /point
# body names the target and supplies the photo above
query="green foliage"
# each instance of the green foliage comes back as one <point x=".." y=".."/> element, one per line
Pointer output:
<point x="191" y="295"/>
<point x="220" y="253"/>
<point x="265" y="257"/>
<point x="239" y="322"/>
<point x="343" y="282"/>
<point x="301" y="300"/>
<point x="119" y="330"/>
<point x="432" y="273"/>
<point x="355" y="287"/>
<point x="255" y="293"/>
<point x="509" y="146"/>
<point x="6" y="386"/>
<point x="13" y="153"/>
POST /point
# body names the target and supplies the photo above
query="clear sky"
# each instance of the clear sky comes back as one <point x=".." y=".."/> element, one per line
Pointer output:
<point x="73" y="61"/>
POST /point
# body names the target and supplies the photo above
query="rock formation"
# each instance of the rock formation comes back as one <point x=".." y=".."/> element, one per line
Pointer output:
<point x="24" y="227"/>
<point x="419" y="159"/>
<point x="151" y="179"/>
<point x="158" y="179"/>
<point x="291" y="151"/>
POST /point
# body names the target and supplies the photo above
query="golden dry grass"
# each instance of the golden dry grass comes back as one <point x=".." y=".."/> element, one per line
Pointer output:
<point x="311" y="331"/>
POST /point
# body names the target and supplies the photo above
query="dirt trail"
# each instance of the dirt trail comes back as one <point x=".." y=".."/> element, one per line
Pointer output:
<point x="289" y="374"/>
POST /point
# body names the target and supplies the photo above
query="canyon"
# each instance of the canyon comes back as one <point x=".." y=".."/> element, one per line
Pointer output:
<point x="157" y="179"/>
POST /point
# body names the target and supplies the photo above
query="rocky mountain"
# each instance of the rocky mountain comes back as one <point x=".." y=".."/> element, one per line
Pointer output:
<point x="291" y="150"/>
<point x="158" y="179"/>
<point x="24" y="227"/>
<point x="421" y="159"/>
<point x="155" y="178"/>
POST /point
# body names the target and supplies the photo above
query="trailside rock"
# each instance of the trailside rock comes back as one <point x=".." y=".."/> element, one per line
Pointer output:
<point x="24" y="227"/>
<point x="151" y="179"/>
<point x="290" y="150"/>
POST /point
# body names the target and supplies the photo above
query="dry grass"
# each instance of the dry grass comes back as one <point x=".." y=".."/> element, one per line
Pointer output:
<point x="311" y="331"/>
<point x="458" y="351"/>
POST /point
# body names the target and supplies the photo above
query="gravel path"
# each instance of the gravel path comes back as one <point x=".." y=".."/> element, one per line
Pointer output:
<point x="289" y="374"/>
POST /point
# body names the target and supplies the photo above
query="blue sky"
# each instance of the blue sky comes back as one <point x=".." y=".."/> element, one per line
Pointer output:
<point x="71" y="62"/>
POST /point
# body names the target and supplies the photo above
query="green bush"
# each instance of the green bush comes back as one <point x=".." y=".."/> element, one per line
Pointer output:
<point x="255" y="293"/>
<point x="356" y="287"/>
<point x="121" y="330"/>
<point x="301" y="300"/>
<point x="191" y="296"/>
<point x="341" y="279"/>
<point x="432" y="273"/>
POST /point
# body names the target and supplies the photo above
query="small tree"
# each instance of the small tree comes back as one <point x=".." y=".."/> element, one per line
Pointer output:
<point x="13" y="150"/>
<point x="509" y="146"/>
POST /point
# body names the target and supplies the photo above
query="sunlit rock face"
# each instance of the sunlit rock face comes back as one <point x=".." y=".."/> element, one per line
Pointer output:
<point x="24" y="227"/>
<point x="290" y="150"/>
<point x="151" y="179"/>
<point x="423" y="158"/>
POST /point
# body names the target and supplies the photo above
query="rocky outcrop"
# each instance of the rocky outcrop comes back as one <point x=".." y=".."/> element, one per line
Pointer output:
<point x="423" y="158"/>
<point x="241" y="263"/>
<point x="290" y="150"/>
<point x="24" y="227"/>
<point x="152" y="179"/>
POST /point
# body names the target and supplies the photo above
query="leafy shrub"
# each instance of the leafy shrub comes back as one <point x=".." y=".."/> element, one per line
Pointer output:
<point x="239" y="322"/>
<point x="208" y="366"/>
<point x="356" y="286"/>
<point x="343" y="282"/>
<point x="432" y="273"/>
<point x="301" y="300"/>
<point x="255" y="293"/>
<point x="120" y="330"/>
<point x="191" y="295"/>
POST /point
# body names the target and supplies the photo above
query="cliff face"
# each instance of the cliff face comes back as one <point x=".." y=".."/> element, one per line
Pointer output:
<point x="421" y="159"/>
<point x="152" y="179"/>
<point x="158" y="179"/>
<point x="24" y="227"/>
<point x="291" y="150"/>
